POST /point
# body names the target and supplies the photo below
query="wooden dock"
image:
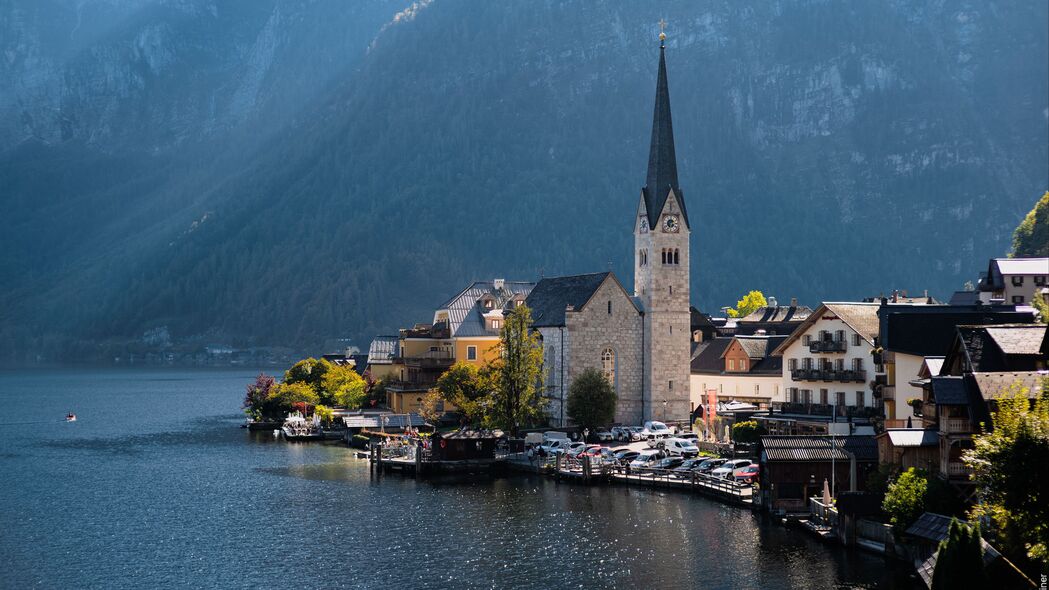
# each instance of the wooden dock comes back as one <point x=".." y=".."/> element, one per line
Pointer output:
<point x="587" y="472"/>
<point x="410" y="460"/>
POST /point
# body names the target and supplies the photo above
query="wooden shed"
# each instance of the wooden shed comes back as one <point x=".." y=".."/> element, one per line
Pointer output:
<point x="463" y="445"/>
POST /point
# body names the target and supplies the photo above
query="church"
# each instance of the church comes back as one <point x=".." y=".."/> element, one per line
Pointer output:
<point x="639" y="340"/>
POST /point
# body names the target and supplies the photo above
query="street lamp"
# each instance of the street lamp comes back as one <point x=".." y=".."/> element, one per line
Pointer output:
<point x="664" y="411"/>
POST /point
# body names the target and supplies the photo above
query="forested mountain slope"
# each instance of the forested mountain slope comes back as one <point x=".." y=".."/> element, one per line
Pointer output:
<point x="281" y="172"/>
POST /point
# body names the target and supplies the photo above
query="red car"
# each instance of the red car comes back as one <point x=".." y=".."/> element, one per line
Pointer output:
<point x="748" y="474"/>
<point x="592" y="450"/>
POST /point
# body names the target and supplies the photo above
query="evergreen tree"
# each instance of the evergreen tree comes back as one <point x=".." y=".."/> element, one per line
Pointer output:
<point x="959" y="561"/>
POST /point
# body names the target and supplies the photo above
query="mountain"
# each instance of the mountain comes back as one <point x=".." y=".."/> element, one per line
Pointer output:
<point x="283" y="172"/>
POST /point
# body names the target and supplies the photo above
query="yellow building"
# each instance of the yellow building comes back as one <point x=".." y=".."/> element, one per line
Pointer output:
<point x="465" y="328"/>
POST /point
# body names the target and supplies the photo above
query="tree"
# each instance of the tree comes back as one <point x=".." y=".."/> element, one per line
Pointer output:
<point x="747" y="432"/>
<point x="309" y="371"/>
<point x="591" y="400"/>
<point x="751" y="302"/>
<point x="287" y="394"/>
<point x="342" y="386"/>
<point x="468" y="387"/>
<point x="913" y="493"/>
<point x="325" y="414"/>
<point x="516" y="400"/>
<point x="256" y="399"/>
<point x="959" y="562"/>
<point x="1031" y="238"/>
<point x="432" y="407"/>
<point x="1011" y="467"/>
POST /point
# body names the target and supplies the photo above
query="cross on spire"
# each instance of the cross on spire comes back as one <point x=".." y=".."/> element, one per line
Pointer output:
<point x="662" y="31"/>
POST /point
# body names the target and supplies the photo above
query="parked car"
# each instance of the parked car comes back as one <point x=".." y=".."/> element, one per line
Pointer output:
<point x="709" y="465"/>
<point x="646" y="459"/>
<point x="575" y="449"/>
<point x="748" y="474"/>
<point x="679" y="446"/>
<point x="551" y="447"/>
<point x="686" y="467"/>
<point x="620" y="433"/>
<point x="692" y="436"/>
<point x="606" y="454"/>
<point x="726" y="469"/>
<point x="603" y="435"/>
<point x="670" y="463"/>
<point x="625" y="456"/>
<point x="592" y="450"/>
<point x="654" y="432"/>
<point x="552" y="435"/>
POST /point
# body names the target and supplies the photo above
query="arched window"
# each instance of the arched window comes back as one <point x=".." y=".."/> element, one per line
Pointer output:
<point x="608" y="366"/>
<point x="664" y="254"/>
<point x="675" y="256"/>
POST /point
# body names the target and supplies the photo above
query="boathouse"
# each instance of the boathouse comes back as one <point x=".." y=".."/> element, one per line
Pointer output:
<point x="463" y="445"/>
<point x="793" y="468"/>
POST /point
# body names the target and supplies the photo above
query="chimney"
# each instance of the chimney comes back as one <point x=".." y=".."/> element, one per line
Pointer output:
<point x="773" y="302"/>
<point x="499" y="283"/>
<point x="793" y="301"/>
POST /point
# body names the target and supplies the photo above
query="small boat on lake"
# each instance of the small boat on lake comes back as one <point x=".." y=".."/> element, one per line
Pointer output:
<point x="70" y="417"/>
<point x="296" y="427"/>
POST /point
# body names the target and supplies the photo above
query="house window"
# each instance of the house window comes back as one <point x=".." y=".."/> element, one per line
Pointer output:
<point x="860" y="401"/>
<point x="839" y="364"/>
<point x="793" y="395"/>
<point x="839" y="398"/>
<point x="807" y="363"/>
<point x="823" y="396"/>
<point x="676" y="259"/>
<point x="731" y="365"/>
<point x="609" y="308"/>
<point x="857" y="364"/>
<point x="839" y="336"/>
<point x="1039" y="280"/>
<point x="489" y="304"/>
<point x="792" y="364"/>
<point x="608" y="366"/>
<point x="496" y="324"/>
<point x="471" y="353"/>
<point x="855" y="339"/>
<point x="1018" y="299"/>
<point x="806" y="396"/>
<point x="757" y="389"/>
<point x="1018" y="281"/>
<point x="806" y="339"/>
<point x="743" y="365"/>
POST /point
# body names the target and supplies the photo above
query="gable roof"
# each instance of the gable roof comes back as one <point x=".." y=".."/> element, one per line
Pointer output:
<point x="1018" y="339"/>
<point x="753" y="347"/>
<point x="996" y="385"/>
<point x="551" y="296"/>
<point x="777" y="313"/>
<point x="862" y="318"/>
<point x="904" y="437"/>
<point x="984" y="348"/>
<point x="709" y="359"/>
<point x="949" y="390"/>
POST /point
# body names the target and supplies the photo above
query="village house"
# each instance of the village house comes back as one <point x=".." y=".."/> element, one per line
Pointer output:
<point x="741" y="369"/>
<point x="828" y="371"/>
<point x="1014" y="280"/>
<point x="908" y="334"/>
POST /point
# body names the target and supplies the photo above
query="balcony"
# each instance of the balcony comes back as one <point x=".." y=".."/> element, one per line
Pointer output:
<point x="958" y="470"/>
<point x="828" y="346"/>
<point x="415" y="385"/>
<point x="828" y="410"/>
<point x="859" y="376"/>
<point x="955" y="426"/>
<point x="800" y="374"/>
<point x="434" y="359"/>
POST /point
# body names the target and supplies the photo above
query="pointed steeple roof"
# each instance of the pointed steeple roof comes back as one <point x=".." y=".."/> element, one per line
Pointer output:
<point x="662" y="161"/>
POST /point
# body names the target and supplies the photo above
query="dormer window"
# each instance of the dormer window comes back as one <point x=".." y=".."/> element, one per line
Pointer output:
<point x="489" y="304"/>
<point x="496" y="324"/>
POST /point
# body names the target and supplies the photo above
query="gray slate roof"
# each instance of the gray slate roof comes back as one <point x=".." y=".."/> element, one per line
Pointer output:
<point x="1021" y="339"/>
<point x="778" y="313"/>
<point x="465" y="313"/>
<point x="662" y="161"/>
<point x="995" y="385"/>
<point x="950" y="390"/>
<point x="550" y="297"/>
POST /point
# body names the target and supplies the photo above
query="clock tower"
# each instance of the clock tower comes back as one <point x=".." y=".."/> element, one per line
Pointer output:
<point x="661" y="270"/>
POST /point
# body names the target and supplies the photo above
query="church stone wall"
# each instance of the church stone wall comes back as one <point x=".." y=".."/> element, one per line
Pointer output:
<point x="593" y="329"/>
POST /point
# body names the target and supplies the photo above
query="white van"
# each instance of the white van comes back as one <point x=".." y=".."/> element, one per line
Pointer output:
<point x="654" y="432"/>
<point x="552" y="435"/>
<point x="681" y="447"/>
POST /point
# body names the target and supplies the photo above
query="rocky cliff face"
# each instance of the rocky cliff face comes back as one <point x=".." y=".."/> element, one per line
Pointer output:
<point x="280" y="171"/>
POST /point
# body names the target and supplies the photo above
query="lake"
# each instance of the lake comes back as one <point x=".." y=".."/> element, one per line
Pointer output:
<point x="155" y="485"/>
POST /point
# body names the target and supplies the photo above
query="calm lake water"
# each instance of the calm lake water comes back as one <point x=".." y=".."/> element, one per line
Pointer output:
<point x="156" y="486"/>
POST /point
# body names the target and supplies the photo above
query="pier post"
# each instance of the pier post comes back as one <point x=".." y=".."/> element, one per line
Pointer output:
<point x="418" y="459"/>
<point x="586" y="468"/>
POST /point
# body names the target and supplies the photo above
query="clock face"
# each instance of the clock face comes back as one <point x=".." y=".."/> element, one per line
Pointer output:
<point x="644" y="225"/>
<point x="670" y="223"/>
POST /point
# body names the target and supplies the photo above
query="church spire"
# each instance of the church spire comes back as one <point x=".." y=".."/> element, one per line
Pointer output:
<point x="662" y="161"/>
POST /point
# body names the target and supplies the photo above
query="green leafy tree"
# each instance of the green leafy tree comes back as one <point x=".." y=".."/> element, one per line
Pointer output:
<point x="751" y="302"/>
<point x="287" y="394"/>
<point x="325" y="414"/>
<point x="516" y="400"/>
<point x="432" y="407"/>
<point x="747" y="432"/>
<point x="343" y="386"/>
<point x="468" y="387"/>
<point x="310" y="371"/>
<point x="959" y="562"/>
<point x="591" y="400"/>
<point x="1011" y="467"/>
<point x="913" y="493"/>
<point x="1031" y="238"/>
<point x="1041" y="306"/>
